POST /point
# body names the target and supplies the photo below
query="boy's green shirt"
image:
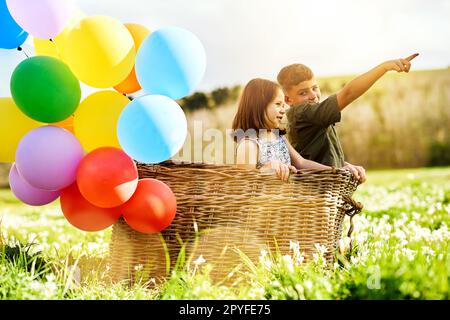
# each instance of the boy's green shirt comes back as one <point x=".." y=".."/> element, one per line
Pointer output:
<point x="312" y="133"/>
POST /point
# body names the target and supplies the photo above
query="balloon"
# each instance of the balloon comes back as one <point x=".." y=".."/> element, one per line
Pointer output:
<point x="171" y="62"/>
<point x="152" y="128"/>
<point x="47" y="157"/>
<point x="41" y="18"/>
<point x="131" y="84"/>
<point x="107" y="177"/>
<point x="100" y="51"/>
<point x="13" y="126"/>
<point x="152" y="207"/>
<point x="82" y="214"/>
<point x="11" y="34"/>
<point x="45" y="89"/>
<point x="95" y="122"/>
<point x="65" y="124"/>
<point x="27" y="193"/>
<point x="55" y="48"/>
<point x="10" y="59"/>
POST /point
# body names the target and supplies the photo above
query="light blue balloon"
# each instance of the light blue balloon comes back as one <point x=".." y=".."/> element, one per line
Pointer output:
<point x="152" y="128"/>
<point x="11" y="34"/>
<point x="170" y="61"/>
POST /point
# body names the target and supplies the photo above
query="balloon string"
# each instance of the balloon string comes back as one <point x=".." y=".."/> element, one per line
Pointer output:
<point x="127" y="96"/>
<point x="56" y="47"/>
<point x="21" y="49"/>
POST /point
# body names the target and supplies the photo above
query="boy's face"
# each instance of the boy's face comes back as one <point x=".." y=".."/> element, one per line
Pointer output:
<point x="306" y="91"/>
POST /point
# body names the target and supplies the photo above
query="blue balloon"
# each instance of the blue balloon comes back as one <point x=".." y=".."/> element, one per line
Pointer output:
<point x="152" y="128"/>
<point x="11" y="34"/>
<point x="171" y="62"/>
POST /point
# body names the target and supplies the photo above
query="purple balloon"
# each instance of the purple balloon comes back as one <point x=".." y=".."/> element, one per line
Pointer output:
<point x="27" y="193"/>
<point x="47" y="158"/>
<point x="43" y="19"/>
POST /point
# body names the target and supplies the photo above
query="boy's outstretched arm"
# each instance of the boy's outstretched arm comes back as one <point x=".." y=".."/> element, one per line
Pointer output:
<point x="356" y="87"/>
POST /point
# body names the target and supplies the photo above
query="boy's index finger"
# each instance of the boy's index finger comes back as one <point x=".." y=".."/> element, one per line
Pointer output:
<point x="412" y="56"/>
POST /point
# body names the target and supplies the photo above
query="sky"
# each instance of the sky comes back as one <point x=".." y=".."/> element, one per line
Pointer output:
<point x="245" y="39"/>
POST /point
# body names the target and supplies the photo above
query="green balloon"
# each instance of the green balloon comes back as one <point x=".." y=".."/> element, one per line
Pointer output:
<point x="45" y="89"/>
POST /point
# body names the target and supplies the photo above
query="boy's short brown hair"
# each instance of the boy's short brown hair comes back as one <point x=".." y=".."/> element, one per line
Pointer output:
<point x="293" y="74"/>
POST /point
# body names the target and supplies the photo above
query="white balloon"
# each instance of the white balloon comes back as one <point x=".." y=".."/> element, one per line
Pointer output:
<point x="9" y="60"/>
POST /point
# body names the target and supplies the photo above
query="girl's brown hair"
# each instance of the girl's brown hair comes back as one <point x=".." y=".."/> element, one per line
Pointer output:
<point x="255" y="97"/>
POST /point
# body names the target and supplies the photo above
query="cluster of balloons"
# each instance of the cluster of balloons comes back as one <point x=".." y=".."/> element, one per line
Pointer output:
<point x="84" y="151"/>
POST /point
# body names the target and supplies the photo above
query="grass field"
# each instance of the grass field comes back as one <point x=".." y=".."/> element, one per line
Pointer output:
<point x="401" y="251"/>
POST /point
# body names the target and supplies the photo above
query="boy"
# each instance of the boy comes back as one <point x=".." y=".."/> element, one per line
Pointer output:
<point x="311" y="122"/>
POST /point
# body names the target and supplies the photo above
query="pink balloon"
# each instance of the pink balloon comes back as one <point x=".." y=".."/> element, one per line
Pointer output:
<point x="43" y="19"/>
<point x="27" y="193"/>
<point x="48" y="157"/>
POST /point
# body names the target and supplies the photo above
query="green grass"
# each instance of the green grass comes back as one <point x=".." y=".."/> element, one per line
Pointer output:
<point x="401" y="251"/>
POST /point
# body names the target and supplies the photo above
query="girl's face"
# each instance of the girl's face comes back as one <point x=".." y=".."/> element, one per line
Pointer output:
<point x="275" y="111"/>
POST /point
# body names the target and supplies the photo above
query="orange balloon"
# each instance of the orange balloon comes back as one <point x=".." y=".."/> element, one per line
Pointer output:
<point x="152" y="207"/>
<point x="82" y="214"/>
<point x="65" y="124"/>
<point x="107" y="177"/>
<point x="131" y="84"/>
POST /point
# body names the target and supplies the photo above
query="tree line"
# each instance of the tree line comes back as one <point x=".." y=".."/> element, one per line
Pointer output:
<point x="210" y="100"/>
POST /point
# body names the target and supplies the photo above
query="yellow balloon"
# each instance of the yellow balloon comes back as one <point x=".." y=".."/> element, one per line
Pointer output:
<point x="45" y="47"/>
<point x="95" y="122"/>
<point x="13" y="126"/>
<point x="100" y="51"/>
<point x="131" y="84"/>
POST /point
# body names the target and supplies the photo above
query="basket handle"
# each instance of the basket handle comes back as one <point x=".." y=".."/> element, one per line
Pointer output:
<point x="355" y="208"/>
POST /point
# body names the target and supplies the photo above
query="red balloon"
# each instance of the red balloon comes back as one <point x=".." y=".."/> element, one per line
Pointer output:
<point x="107" y="177"/>
<point x="82" y="214"/>
<point x="152" y="207"/>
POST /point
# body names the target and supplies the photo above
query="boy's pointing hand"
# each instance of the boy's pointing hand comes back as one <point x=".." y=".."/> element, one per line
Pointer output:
<point x="399" y="65"/>
<point x="412" y="56"/>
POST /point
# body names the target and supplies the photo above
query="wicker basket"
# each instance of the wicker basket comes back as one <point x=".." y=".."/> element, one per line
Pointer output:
<point x="223" y="208"/>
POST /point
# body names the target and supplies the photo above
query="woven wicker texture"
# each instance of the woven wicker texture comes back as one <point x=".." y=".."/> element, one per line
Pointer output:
<point x="235" y="208"/>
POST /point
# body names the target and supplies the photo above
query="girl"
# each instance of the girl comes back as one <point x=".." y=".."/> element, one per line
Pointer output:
<point x="256" y="129"/>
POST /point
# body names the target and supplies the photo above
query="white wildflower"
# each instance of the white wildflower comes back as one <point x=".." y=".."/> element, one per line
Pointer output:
<point x="50" y="277"/>
<point x="294" y="245"/>
<point x="50" y="288"/>
<point x="288" y="263"/>
<point x="93" y="247"/>
<point x="320" y="248"/>
<point x="199" y="260"/>
<point x="315" y="257"/>
<point x="308" y="284"/>
<point x="409" y="254"/>
<point x="354" y="259"/>
<point x="263" y="253"/>
<point x="344" y="245"/>
<point x="36" y="285"/>
<point x="427" y="250"/>
<point x="138" y="267"/>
